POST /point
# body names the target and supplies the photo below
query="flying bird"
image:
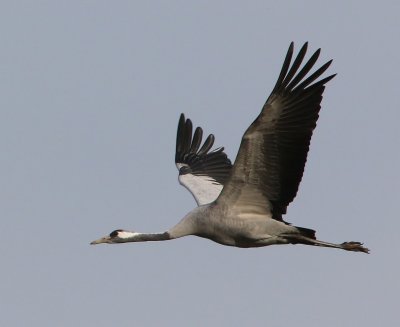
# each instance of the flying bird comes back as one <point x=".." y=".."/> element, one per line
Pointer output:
<point x="243" y="204"/>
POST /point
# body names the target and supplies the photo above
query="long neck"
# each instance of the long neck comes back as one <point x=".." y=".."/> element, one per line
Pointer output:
<point x="185" y="227"/>
<point x="143" y="237"/>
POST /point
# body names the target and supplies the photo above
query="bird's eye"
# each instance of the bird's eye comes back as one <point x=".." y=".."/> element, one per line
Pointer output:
<point x="114" y="233"/>
<point x="185" y="170"/>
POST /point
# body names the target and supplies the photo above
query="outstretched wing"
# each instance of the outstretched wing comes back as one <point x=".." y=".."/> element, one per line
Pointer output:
<point x="273" y="151"/>
<point x="202" y="172"/>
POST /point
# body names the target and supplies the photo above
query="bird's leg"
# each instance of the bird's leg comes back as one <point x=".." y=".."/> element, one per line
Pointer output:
<point x="348" y="246"/>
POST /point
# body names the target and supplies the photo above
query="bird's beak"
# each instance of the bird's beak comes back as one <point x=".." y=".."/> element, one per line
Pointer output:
<point x="105" y="239"/>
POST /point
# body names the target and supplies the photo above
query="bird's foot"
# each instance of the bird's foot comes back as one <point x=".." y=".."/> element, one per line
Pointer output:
<point x="354" y="246"/>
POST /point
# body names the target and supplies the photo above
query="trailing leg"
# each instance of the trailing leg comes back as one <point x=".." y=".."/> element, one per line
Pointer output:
<point x="348" y="246"/>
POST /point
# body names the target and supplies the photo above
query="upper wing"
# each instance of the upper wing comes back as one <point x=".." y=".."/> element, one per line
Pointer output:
<point x="273" y="151"/>
<point x="202" y="172"/>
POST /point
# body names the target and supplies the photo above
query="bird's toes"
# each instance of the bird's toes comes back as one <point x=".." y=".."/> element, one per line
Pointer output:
<point x="354" y="246"/>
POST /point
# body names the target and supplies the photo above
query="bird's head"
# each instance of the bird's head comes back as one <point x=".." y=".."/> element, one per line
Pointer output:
<point x="117" y="236"/>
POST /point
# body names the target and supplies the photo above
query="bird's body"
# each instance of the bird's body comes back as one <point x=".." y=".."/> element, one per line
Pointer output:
<point x="242" y="205"/>
<point x="232" y="228"/>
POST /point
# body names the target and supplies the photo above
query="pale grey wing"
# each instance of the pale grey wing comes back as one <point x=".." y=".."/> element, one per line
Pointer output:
<point x="201" y="171"/>
<point x="273" y="151"/>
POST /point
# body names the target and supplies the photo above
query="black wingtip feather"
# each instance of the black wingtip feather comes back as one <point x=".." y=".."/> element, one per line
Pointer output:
<point x="314" y="76"/>
<point x="304" y="71"/>
<point x="285" y="67"/>
<point x="196" y="141"/>
<point x="295" y="66"/>
<point x="201" y="161"/>
<point x="208" y="143"/>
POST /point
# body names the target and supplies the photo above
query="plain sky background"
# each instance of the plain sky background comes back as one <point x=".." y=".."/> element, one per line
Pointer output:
<point x="91" y="93"/>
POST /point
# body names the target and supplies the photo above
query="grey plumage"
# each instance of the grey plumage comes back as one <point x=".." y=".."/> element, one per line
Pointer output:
<point x="265" y="177"/>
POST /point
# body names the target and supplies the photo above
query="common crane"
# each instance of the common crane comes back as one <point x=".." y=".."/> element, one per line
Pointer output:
<point x="242" y="205"/>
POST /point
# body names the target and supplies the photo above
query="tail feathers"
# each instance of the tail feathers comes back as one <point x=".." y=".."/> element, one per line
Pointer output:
<point x="309" y="233"/>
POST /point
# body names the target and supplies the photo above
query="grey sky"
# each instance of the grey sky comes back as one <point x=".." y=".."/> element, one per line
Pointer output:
<point x="91" y="96"/>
